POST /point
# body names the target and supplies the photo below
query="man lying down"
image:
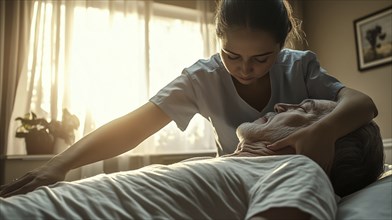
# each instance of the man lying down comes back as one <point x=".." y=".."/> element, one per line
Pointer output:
<point x="244" y="185"/>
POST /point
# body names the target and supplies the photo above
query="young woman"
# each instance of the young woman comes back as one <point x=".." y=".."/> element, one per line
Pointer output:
<point x="251" y="74"/>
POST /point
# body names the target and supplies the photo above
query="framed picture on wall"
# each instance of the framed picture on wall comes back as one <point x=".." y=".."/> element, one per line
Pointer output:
<point x="373" y="37"/>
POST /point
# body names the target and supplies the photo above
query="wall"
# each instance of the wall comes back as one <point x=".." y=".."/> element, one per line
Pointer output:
<point x="330" y="33"/>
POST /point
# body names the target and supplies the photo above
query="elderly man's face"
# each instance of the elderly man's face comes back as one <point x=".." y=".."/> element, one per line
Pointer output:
<point x="286" y="119"/>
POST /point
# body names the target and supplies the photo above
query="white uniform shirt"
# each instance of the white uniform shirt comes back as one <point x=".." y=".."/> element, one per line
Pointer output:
<point x="207" y="88"/>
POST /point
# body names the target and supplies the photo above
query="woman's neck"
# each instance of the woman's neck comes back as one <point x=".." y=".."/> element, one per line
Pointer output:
<point x="256" y="95"/>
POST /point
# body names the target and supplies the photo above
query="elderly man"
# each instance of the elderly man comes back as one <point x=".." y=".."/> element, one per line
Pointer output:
<point x="244" y="185"/>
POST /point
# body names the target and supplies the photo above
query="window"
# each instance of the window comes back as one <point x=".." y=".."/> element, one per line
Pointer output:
<point x="105" y="59"/>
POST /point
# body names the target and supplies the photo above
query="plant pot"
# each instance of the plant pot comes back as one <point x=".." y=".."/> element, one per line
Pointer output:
<point x="39" y="142"/>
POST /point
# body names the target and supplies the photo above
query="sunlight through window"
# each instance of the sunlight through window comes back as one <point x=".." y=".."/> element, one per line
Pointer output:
<point x="102" y="71"/>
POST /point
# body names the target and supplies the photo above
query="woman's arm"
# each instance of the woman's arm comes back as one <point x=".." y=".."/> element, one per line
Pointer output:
<point x="354" y="109"/>
<point x="114" y="138"/>
<point x="110" y="140"/>
<point x="317" y="141"/>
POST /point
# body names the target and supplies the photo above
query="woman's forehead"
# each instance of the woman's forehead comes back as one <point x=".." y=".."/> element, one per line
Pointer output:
<point x="246" y="40"/>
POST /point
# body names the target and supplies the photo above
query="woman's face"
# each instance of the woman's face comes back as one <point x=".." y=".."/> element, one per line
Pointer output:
<point x="248" y="54"/>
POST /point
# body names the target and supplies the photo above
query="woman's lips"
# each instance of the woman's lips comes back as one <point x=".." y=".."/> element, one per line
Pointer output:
<point x="247" y="79"/>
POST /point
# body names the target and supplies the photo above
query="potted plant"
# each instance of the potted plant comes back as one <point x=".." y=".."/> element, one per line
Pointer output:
<point x="40" y="135"/>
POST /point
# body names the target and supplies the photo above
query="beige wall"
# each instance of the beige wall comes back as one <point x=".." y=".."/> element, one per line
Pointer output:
<point x="330" y="33"/>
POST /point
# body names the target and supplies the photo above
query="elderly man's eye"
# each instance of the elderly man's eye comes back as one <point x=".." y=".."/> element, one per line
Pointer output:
<point x="303" y="109"/>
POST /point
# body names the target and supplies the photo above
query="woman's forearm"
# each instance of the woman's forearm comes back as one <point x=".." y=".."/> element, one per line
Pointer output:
<point x="112" y="139"/>
<point x="354" y="109"/>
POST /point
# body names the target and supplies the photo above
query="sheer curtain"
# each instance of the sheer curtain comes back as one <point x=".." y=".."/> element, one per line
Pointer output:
<point x="102" y="59"/>
<point x="14" y="32"/>
<point x="15" y="19"/>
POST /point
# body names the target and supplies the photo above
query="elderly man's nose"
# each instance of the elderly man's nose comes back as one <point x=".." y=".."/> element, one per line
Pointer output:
<point x="280" y="108"/>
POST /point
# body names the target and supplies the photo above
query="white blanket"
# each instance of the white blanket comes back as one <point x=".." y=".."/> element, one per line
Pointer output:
<point x="218" y="188"/>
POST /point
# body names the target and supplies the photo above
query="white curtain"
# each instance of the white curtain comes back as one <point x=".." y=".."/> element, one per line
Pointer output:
<point x="15" y="19"/>
<point x="102" y="59"/>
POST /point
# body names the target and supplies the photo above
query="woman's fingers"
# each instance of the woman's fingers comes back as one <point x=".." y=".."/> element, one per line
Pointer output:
<point x="42" y="176"/>
<point x="27" y="183"/>
<point x="21" y="190"/>
<point x="13" y="186"/>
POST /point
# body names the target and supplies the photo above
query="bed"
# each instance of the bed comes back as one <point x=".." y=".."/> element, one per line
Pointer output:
<point x="371" y="203"/>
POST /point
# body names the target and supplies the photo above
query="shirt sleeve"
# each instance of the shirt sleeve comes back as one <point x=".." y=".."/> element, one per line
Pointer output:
<point x="178" y="100"/>
<point x="319" y="84"/>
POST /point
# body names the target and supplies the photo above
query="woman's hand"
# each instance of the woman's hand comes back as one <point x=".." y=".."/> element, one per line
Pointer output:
<point x="354" y="109"/>
<point x="312" y="142"/>
<point x="42" y="176"/>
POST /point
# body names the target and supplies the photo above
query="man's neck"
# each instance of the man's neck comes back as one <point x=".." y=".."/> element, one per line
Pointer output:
<point x="258" y="149"/>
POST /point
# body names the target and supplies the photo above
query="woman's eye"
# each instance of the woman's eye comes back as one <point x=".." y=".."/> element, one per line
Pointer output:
<point x="303" y="109"/>
<point x="232" y="57"/>
<point x="261" y="60"/>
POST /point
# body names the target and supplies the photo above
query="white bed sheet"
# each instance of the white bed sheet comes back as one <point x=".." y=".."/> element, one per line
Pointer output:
<point x="229" y="188"/>
<point x="108" y="196"/>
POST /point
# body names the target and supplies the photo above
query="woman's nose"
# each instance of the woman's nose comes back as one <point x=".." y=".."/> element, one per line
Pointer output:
<point x="246" y="68"/>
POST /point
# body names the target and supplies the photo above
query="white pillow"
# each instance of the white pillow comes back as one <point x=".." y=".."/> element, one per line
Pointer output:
<point x="372" y="202"/>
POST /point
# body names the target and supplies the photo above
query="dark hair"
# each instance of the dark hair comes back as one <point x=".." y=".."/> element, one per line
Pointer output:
<point x="359" y="160"/>
<point x="274" y="16"/>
